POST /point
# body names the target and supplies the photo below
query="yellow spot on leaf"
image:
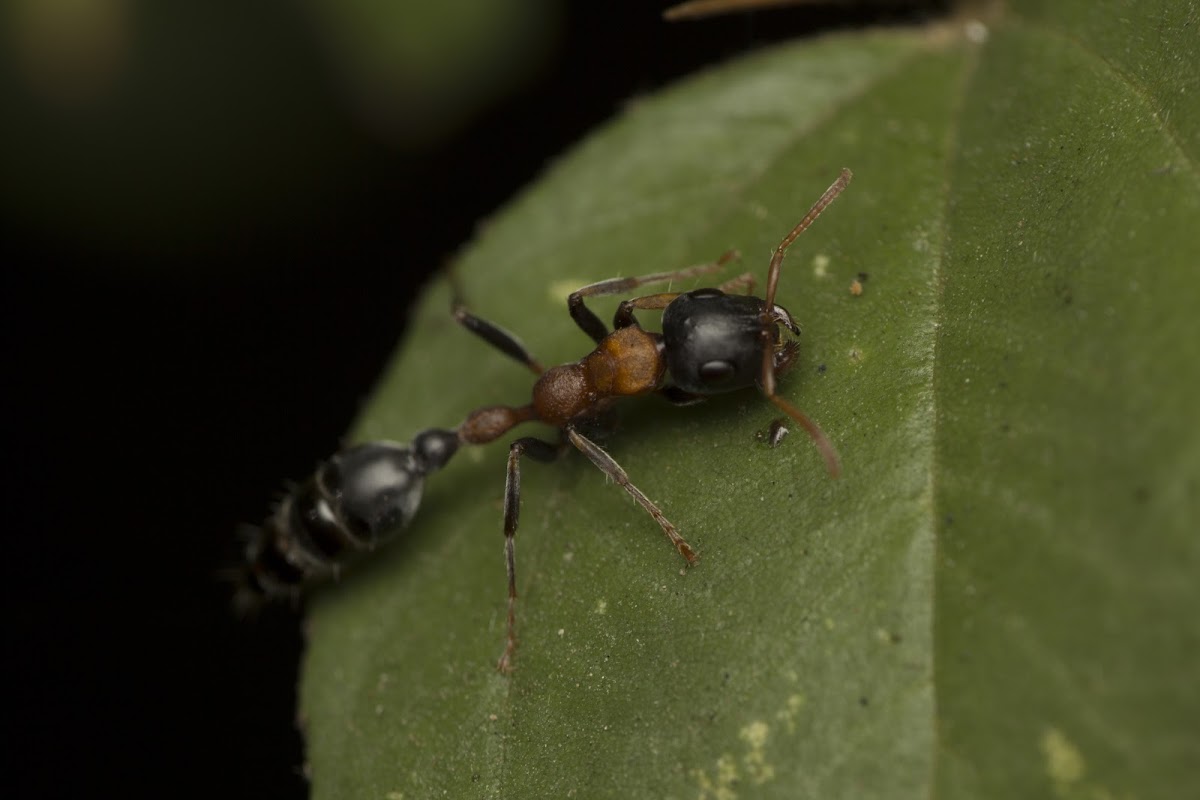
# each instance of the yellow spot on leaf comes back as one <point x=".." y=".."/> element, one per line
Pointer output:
<point x="820" y="264"/>
<point x="787" y="715"/>
<point x="1064" y="762"/>
<point x="720" y="786"/>
<point x="755" y="736"/>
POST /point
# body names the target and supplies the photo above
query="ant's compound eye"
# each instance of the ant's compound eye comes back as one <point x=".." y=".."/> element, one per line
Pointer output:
<point x="714" y="373"/>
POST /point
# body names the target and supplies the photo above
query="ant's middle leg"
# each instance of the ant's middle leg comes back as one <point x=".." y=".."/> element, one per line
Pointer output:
<point x="613" y="470"/>
<point x="541" y="451"/>
<point x="590" y="324"/>
<point x="657" y="302"/>
<point x="494" y="335"/>
<point x="744" y="282"/>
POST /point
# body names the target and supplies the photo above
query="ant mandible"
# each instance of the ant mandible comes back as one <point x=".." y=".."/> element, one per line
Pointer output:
<point x="711" y="342"/>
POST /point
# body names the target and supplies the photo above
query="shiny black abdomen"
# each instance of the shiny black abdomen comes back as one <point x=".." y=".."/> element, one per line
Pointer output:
<point x="356" y="500"/>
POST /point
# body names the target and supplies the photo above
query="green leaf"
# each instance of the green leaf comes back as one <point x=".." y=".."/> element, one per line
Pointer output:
<point x="997" y="599"/>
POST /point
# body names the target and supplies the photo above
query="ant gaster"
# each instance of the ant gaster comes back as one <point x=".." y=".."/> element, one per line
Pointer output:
<point x="711" y="342"/>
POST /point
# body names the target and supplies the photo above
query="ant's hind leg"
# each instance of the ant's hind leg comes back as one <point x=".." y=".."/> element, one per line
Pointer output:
<point x="494" y="335"/>
<point x="541" y="451"/>
<point x="613" y="470"/>
<point x="590" y="324"/>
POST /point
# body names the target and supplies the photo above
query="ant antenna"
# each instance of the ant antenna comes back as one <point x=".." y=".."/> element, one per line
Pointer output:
<point x="822" y="203"/>
<point x="826" y="448"/>
<point x="822" y="442"/>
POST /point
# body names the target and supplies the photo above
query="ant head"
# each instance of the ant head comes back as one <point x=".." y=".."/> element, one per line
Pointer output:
<point x="713" y="342"/>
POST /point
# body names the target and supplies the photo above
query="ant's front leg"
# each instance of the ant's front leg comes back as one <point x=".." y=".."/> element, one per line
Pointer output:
<point x="613" y="470"/>
<point x="541" y="451"/>
<point x="590" y="324"/>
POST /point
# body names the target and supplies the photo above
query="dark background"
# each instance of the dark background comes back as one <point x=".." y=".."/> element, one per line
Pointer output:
<point x="161" y="381"/>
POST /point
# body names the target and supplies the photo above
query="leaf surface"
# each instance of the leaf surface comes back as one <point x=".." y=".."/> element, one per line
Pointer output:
<point x="995" y="600"/>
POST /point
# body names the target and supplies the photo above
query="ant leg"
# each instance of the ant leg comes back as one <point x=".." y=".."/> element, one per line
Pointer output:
<point x="656" y="302"/>
<point x="542" y="451"/>
<point x="745" y="281"/>
<point x="651" y="302"/>
<point x="590" y="324"/>
<point x="494" y="335"/>
<point x="613" y="470"/>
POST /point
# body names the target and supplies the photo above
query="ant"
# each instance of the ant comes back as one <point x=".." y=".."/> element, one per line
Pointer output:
<point x="711" y="342"/>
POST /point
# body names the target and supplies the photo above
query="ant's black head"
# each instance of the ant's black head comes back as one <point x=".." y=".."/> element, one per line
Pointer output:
<point x="713" y="342"/>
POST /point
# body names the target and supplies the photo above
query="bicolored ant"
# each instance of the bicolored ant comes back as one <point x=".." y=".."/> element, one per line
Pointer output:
<point x="711" y="342"/>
